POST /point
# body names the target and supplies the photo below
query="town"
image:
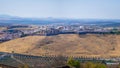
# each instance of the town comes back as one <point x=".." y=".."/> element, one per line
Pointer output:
<point x="17" y="31"/>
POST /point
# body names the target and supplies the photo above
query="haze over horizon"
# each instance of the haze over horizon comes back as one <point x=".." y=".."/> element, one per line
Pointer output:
<point x="95" y="9"/>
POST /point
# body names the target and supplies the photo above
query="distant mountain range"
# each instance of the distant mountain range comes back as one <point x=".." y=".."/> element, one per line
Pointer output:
<point x="7" y="19"/>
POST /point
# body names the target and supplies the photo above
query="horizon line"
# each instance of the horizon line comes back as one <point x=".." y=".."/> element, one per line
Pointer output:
<point x="59" y="17"/>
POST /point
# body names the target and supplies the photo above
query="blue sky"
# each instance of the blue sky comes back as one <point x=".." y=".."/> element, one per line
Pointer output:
<point x="100" y="9"/>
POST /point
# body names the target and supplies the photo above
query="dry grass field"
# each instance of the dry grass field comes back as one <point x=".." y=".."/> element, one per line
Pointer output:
<point x="67" y="44"/>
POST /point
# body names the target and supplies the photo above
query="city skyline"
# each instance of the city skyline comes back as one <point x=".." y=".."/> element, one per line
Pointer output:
<point x="98" y="9"/>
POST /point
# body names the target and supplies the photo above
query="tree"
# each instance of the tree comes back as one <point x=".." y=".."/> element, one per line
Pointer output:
<point x="26" y="66"/>
<point x="100" y="66"/>
<point x="73" y="63"/>
<point x="118" y="66"/>
<point x="89" y="65"/>
<point x="23" y="66"/>
<point x="93" y="65"/>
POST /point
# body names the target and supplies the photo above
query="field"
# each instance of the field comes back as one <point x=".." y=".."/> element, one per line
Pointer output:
<point x="65" y="44"/>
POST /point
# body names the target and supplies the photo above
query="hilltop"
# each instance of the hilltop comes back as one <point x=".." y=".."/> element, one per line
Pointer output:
<point x="65" y="44"/>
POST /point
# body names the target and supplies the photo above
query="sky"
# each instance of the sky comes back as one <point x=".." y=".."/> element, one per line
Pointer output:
<point x="98" y="9"/>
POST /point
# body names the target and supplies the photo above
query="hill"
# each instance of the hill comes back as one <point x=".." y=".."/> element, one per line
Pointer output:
<point x="67" y="44"/>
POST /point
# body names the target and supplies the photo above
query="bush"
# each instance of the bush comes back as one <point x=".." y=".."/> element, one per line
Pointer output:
<point x="73" y="63"/>
<point x="23" y="66"/>
<point x="93" y="65"/>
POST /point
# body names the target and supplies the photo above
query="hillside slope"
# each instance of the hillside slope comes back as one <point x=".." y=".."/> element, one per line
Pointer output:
<point x="69" y="44"/>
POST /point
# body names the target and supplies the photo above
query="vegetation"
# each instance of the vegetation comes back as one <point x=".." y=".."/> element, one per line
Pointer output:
<point x="76" y="64"/>
<point x="23" y="66"/>
<point x="93" y="65"/>
<point x="114" y="31"/>
<point x="73" y="63"/>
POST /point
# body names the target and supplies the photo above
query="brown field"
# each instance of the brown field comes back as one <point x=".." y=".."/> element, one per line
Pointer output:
<point x="67" y="44"/>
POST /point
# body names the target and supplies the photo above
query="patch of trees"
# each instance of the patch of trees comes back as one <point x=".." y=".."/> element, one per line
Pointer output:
<point x="24" y="66"/>
<point x="115" y="32"/>
<point x="76" y="64"/>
